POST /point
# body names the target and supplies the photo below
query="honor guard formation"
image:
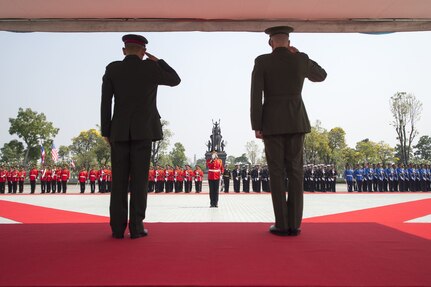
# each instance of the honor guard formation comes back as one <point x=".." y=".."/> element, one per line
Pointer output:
<point x="392" y="177"/>
<point x="242" y="178"/>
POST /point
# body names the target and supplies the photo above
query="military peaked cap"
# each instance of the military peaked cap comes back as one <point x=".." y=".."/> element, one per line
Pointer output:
<point x="279" y="30"/>
<point x="135" y="39"/>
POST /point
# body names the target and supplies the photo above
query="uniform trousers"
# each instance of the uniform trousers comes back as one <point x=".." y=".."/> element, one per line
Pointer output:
<point x="21" y="186"/>
<point x="42" y="186"/>
<point x="32" y="186"/>
<point x="64" y="185"/>
<point x="130" y="160"/>
<point x="198" y="186"/>
<point x="226" y="184"/>
<point x="214" y="190"/>
<point x="82" y="185"/>
<point x="53" y="186"/>
<point x="245" y="185"/>
<point x="92" y="186"/>
<point x="2" y="187"/>
<point x="236" y="185"/>
<point x="284" y="154"/>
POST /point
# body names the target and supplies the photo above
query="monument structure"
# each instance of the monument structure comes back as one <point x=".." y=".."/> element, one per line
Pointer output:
<point x="216" y="143"/>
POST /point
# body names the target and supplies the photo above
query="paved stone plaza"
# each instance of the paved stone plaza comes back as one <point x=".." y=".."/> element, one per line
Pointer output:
<point x="241" y="207"/>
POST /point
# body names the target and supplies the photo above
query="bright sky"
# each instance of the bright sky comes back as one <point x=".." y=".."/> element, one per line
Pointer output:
<point x="60" y="75"/>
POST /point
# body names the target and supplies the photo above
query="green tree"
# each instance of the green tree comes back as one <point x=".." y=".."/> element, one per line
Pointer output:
<point x="33" y="129"/>
<point x="336" y="143"/>
<point x="159" y="148"/>
<point x="368" y="151"/>
<point x="406" y="111"/>
<point x="202" y="163"/>
<point x="242" y="159"/>
<point x="350" y="155"/>
<point x="64" y="153"/>
<point x="316" y="145"/>
<point x="12" y="152"/>
<point x="230" y="160"/>
<point x="252" y="151"/>
<point x="423" y="148"/>
<point x="178" y="156"/>
<point x="102" y="150"/>
<point x="83" y="148"/>
<point x="164" y="159"/>
<point x="385" y="153"/>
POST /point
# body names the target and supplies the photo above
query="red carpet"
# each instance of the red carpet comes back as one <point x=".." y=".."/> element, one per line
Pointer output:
<point x="338" y="250"/>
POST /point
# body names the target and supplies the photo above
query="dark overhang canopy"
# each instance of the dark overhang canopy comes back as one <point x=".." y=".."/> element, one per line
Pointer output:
<point x="372" y="16"/>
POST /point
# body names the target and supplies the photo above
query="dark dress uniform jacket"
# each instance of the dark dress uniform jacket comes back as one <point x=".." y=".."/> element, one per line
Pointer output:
<point x="278" y="78"/>
<point x="134" y="83"/>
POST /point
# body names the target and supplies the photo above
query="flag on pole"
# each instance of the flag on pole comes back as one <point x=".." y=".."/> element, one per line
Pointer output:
<point x="72" y="164"/>
<point x="54" y="153"/>
<point x="42" y="154"/>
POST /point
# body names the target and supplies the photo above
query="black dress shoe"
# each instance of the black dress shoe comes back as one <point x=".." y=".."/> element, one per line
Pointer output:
<point x="278" y="231"/>
<point x="117" y="235"/>
<point x="139" y="235"/>
<point x="294" y="231"/>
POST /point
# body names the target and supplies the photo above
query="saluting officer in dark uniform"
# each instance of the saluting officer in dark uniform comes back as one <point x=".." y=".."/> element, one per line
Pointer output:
<point x="132" y="127"/>
<point x="226" y="178"/>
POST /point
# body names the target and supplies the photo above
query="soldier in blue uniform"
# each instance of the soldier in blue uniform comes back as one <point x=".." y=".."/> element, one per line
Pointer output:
<point x="389" y="178"/>
<point x="375" y="178"/>
<point x="380" y="177"/>
<point x="401" y="177"/>
<point x="395" y="176"/>
<point x="365" y="183"/>
<point x="348" y="176"/>
<point x="359" y="176"/>
<point x="411" y="177"/>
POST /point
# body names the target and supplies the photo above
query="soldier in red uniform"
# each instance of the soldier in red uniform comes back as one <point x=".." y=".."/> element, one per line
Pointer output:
<point x="160" y="179"/>
<point x="65" y="175"/>
<point x="82" y="178"/>
<point x="48" y="179"/>
<point x="100" y="182"/>
<point x="108" y="172"/>
<point x="33" y="177"/>
<point x="9" y="180"/>
<point x="179" y="179"/>
<point x="15" y="178"/>
<point x="215" y="169"/>
<point x="42" y="178"/>
<point x="53" y="179"/>
<point x="151" y="179"/>
<point x="93" y="175"/>
<point x="58" y="174"/>
<point x="188" y="179"/>
<point x="21" y="177"/>
<point x="170" y="177"/>
<point x="199" y="175"/>
<point x="3" y="177"/>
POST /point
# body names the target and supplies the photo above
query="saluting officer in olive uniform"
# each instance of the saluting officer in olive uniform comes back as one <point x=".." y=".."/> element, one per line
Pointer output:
<point x="281" y="121"/>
